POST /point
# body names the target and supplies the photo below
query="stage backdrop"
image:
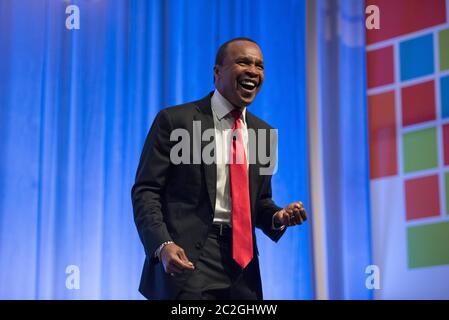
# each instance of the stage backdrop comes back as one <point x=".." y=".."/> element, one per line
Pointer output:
<point x="339" y="132"/>
<point x="408" y="115"/>
<point x="75" y="107"/>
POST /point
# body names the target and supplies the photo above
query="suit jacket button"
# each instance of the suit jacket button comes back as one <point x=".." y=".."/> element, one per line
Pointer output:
<point x="198" y="245"/>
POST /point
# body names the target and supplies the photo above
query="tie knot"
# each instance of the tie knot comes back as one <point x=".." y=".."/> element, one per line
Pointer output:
<point x="236" y="114"/>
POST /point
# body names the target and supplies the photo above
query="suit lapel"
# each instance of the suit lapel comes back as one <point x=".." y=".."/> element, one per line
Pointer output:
<point x="210" y="170"/>
<point x="207" y="122"/>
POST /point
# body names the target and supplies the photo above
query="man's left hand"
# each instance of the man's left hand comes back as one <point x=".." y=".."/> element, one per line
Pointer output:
<point x="291" y="215"/>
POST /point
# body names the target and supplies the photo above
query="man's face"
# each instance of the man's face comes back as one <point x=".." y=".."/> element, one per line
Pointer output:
<point x="241" y="75"/>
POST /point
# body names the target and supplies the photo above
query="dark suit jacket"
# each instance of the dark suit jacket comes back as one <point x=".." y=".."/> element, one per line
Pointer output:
<point x="177" y="202"/>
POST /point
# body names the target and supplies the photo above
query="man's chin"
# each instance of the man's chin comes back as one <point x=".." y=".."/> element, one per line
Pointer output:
<point x="241" y="100"/>
<point x="246" y="101"/>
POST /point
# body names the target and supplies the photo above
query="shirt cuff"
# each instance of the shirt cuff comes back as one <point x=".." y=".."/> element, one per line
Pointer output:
<point x="273" y="227"/>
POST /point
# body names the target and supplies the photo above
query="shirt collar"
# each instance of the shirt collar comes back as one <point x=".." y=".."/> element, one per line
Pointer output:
<point x="223" y="107"/>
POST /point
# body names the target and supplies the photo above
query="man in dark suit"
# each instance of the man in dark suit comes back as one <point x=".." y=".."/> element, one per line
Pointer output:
<point x="196" y="218"/>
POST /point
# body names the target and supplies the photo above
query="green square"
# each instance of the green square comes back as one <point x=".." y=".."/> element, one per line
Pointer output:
<point x="444" y="49"/>
<point x="428" y="245"/>
<point x="420" y="150"/>
<point x="447" y="191"/>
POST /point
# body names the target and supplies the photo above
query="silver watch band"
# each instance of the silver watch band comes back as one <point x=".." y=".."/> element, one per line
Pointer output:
<point x="157" y="253"/>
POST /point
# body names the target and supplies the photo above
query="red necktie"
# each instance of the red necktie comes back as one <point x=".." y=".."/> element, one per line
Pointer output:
<point x="242" y="237"/>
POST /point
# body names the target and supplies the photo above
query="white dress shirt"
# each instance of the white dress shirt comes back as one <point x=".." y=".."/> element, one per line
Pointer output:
<point x="223" y="122"/>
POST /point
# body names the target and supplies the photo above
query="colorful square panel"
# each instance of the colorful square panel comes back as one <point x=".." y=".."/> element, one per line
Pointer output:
<point x="382" y="135"/>
<point x="420" y="150"/>
<point x="427" y="245"/>
<point x="444" y="96"/>
<point x="380" y="67"/>
<point x="444" y="49"/>
<point x="446" y="144"/>
<point x="416" y="57"/>
<point x="418" y="103"/>
<point x="422" y="197"/>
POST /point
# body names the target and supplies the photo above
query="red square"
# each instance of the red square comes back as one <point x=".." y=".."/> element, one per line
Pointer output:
<point x="422" y="197"/>
<point x="380" y="67"/>
<point x="418" y="103"/>
<point x="446" y="145"/>
<point x="400" y="17"/>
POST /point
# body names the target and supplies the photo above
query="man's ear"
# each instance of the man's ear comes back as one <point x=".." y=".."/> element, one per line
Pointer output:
<point x="217" y="71"/>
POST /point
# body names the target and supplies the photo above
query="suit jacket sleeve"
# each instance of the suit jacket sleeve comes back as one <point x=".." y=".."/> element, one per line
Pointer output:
<point x="266" y="208"/>
<point x="149" y="185"/>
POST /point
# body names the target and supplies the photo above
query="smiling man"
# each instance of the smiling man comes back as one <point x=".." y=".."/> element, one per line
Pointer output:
<point x="239" y="72"/>
<point x="197" y="221"/>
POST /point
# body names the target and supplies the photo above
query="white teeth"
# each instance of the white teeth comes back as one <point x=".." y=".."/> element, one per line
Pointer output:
<point x="248" y="83"/>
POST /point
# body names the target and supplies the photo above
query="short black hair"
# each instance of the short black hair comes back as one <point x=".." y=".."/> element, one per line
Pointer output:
<point x="222" y="50"/>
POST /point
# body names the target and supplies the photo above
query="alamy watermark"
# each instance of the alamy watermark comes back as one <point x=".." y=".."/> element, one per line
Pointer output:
<point x="73" y="20"/>
<point x="372" y="282"/>
<point x="373" y="19"/>
<point x="200" y="147"/>
<point x="72" y="282"/>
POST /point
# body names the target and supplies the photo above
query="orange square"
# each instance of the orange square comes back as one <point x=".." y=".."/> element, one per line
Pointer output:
<point x="382" y="135"/>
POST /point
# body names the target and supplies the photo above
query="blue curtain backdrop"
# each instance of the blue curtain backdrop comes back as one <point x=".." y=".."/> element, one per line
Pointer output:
<point x="343" y="121"/>
<point x="75" y="107"/>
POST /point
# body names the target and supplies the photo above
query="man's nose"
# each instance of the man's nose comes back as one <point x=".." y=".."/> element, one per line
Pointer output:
<point x="252" y="71"/>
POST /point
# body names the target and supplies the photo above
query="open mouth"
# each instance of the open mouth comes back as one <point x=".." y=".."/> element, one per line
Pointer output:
<point x="248" y="84"/>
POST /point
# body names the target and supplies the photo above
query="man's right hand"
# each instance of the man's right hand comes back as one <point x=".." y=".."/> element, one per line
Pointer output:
<point x="174" y="259"/>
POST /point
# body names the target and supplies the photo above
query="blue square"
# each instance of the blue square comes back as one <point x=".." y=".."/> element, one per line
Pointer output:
<point x="417" y="57"/>
<point x="444" y="94"/>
